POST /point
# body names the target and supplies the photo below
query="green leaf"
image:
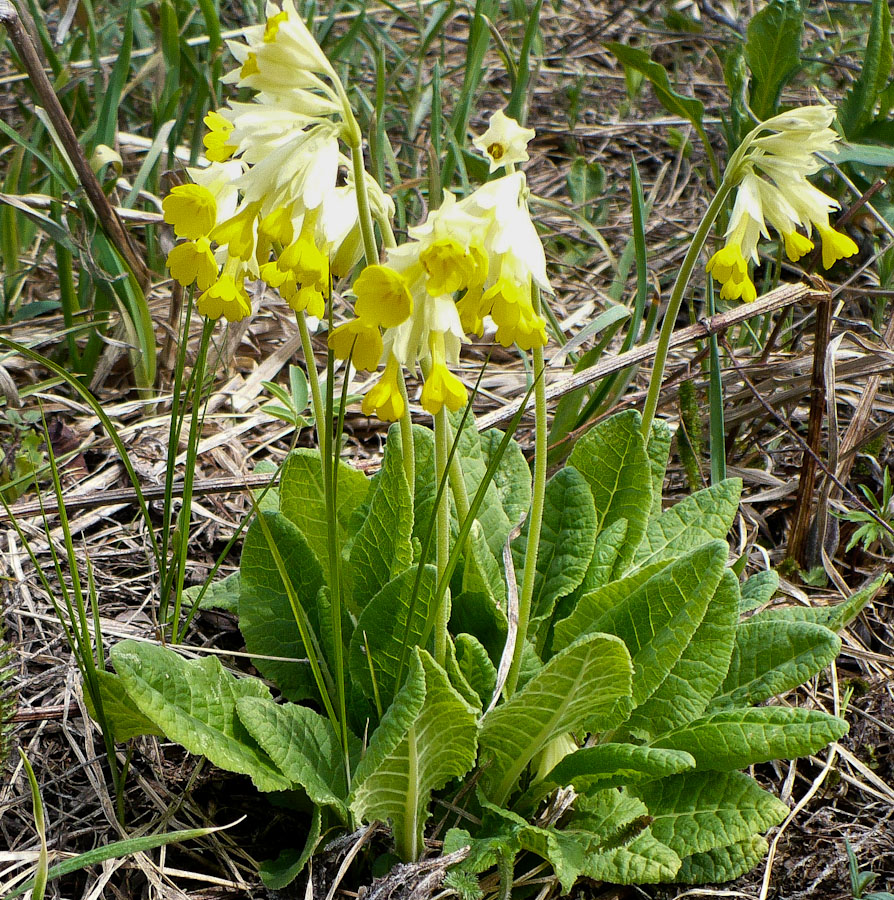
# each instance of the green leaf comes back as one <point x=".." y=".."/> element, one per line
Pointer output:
<point x="585" y="687"/>
<point x="194" y="704"/>
<point x="687" y="107"/>
<point x="477" y="614"/>
<point x="382" y="628"/>
<point x="864" y="154"/>
<point x="832" y="617"/>
<point x="509" y="495"/>
<point x="597" y="603"/>
<point x="772" y="657"/>
<point x="736" y="738"/>
<point x="630" y="853"/>
<point x="856" y="110"/>
<point x="382" y="548"/>
<point x="221" y="594"/>
<point x="266" y="618"/>
<point x="690" y="685"/>
<point x="658" y="451"/>
<point x="701" y="517"/>
<point x="302" y="500"/>
<point x="614" y="765"/>
<point x="282" y="871"/>
<point x="773" y="53"/>
<point x="612" y="457"/>
<point x="481" y="571"/>
<point x="426" y="737"/>
<point x="659" y="617"/>
<point x="567" y="536"/>
<point x="121" y="713"/>
<point x="304" y="746"/>
<point x="698" y="811"/>
<point x="759" y="589"/>
<point x="723" y="863"/>
<point x="476" y="666"/>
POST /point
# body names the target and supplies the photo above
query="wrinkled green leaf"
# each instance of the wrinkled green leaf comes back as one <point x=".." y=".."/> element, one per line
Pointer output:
<point x="382" y="630"/>
<point x="266" y="618"/>
<point x="701" y="517"/>
<point x="658" y="451"/>
<point x="698" y="811"/>
<point x="303" y="745"/>
<point x="736" y="738"/>
<point x="723" y="863"/>
<point x="612" y="457"/>
<point x="303" y="502"/>
<point x="222" y="594"/>
<point x="773" y="52"/>
<point x="120" y="712"/>
<point x="282" y="871"/>
<point x="614" y="765"/>
<point x="759" y="589"/>
<point x="476" y="666"/>
<point x="772" y="657"/>
<point x="690" y="685"/>
<point x="856" y="109"/>
<point x="426" y="737"/>
<point x="382" y="548"/>
<point x="194" y="703"/>
<point x="567" y="535"/>
<point x="585" y="687"/>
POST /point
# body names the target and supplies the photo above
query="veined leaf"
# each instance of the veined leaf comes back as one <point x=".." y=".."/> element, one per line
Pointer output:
<point x="509" y="495"/>
<point x="659" y="617"/>
<point x="303" y="745"/>
<point x="833" y="617"/>
<point x="658" y="451"/>
<point x="771" y="657"/>
<point x="194" y="703"/>
<point x="383" y="627"/>
<point x="302" y="500"/>
<point x="121" y="713"/>
<point x="856" y="110"/>
<point x="722" y="863"/>
<point x="382" y="548"/>
<point x="266" y="618"/>
<point x="773" y="52"/>
<point x="614" y="765"/>
<point x="687" y="107"/>
<point x="736" y="738"/>
<point x="476" y="666"/>
<point x="567" y="536"/>
<point x="692" y="682"/>
<point x="426" y="737"/>
<point x="701" y="517"/>
<point x="698" y="811"/>
<point x="481" y="571"/>
<point x="759" y="589"/>
<point x="586" y="687"/>
<point x="282" y="871"/>
<point x="612" y="457"/>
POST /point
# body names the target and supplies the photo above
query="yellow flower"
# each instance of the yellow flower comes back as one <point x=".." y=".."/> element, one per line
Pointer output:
<point x="835" y="246"/>
<point x="527" y="332"/>
<point x="728" y="264"/>
<point x="383" y="297"/>
<point x="277" y="226"/>
<point x="796" y="245"/>
<point x="385" y="399"/>
<point x="509" y="303"/>
<point x="226" y="297"/>
<point x="308" y="299"/>
<point x="239" y="232"/>
<point x="449" y="265"/>
<point x="360" y="342"/>
<point x="215" y="141"/>
<point x="442" y="388"/>
<point x="191" y="209"/>
<point x="193" y="261"/>
<point x="504" y="142"/>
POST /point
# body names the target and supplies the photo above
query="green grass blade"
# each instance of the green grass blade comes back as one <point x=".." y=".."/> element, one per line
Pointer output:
<point x="107" y="122"/>
<point x="717" y="432"/>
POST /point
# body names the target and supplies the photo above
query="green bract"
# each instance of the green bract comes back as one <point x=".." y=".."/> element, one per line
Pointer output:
<point x="646" y="682"/>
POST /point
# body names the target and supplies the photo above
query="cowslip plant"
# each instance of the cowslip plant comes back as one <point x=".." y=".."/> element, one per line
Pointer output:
<point x="589" y="663"/>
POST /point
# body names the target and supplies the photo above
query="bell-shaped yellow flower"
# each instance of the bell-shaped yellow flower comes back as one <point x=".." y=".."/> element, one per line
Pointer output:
<point x="191" y="209"/>
<point x="442" y="388"/>
<point x="383" y="297"/>
<point x="357" y="340"/>
<point x="193" y="261"/>
<point x="215" y="140"/>
<point x="504" y="142"/>
<point x="226" y="297"/>
<point x="835" y="246"/>
<point x="239" y="232"/>
<point x="385" y="399"/>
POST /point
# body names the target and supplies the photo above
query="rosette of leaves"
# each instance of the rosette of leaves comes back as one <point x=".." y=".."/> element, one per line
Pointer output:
<point x="648" y="681"/>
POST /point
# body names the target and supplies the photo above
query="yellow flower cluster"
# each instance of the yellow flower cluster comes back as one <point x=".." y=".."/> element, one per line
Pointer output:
<point x="471" y="258"/>
<point x="774" y="188"/>
<point x="270" y="204"/>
